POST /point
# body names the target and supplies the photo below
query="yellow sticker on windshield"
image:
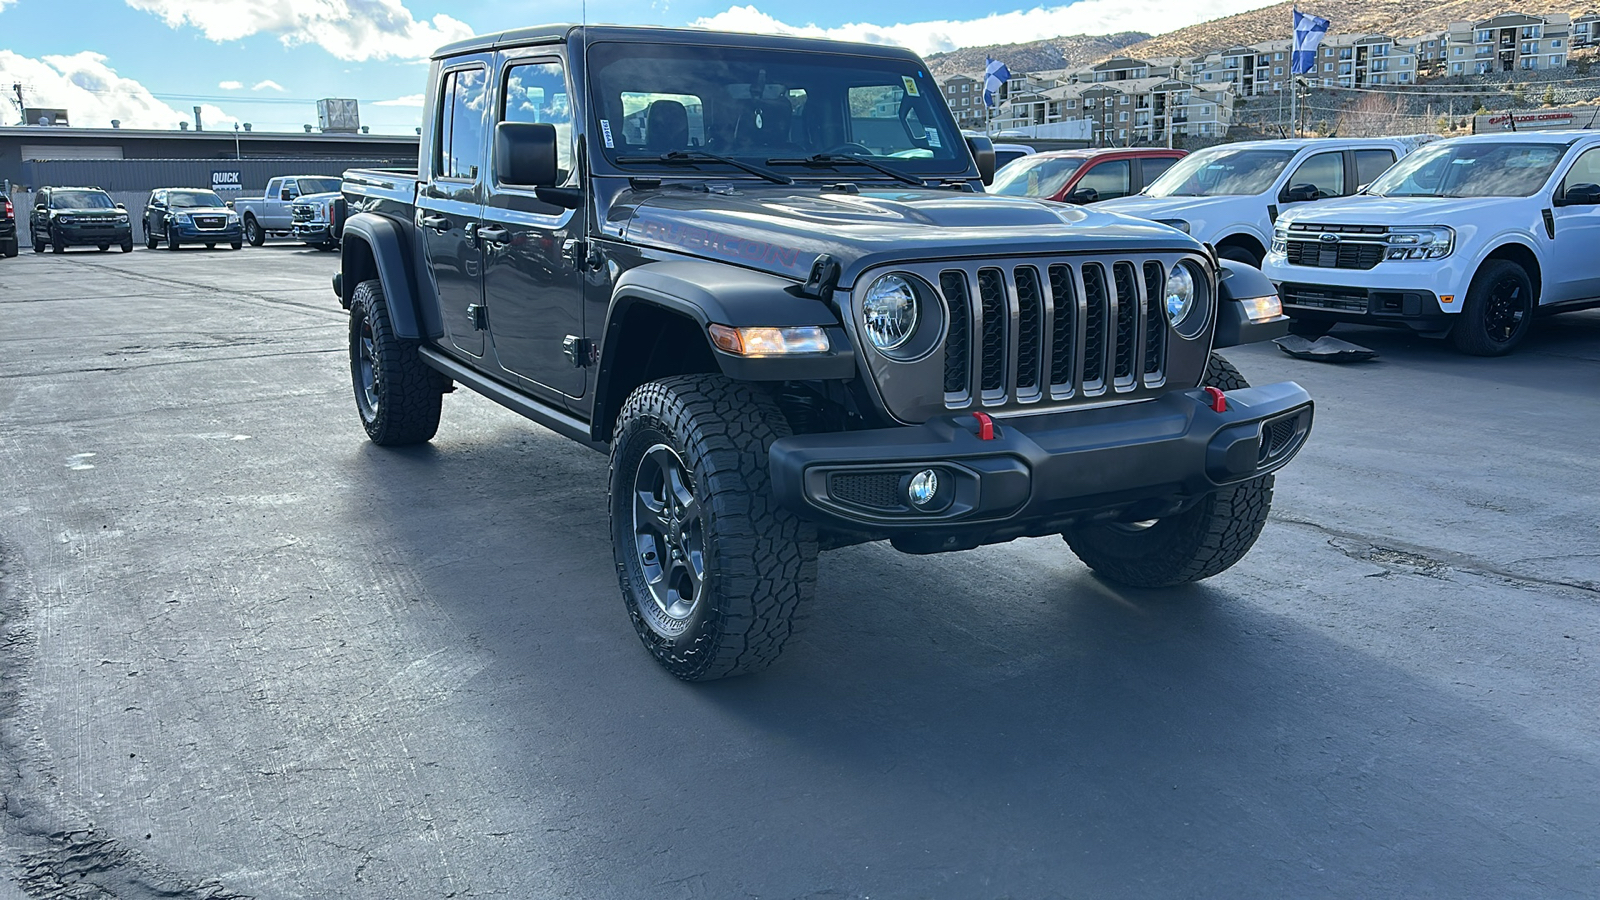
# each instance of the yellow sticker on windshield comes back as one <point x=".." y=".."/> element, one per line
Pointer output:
<point x="911" y="85"/>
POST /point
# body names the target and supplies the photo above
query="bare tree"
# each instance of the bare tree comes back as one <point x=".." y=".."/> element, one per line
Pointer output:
<point x="1374" y="115"/>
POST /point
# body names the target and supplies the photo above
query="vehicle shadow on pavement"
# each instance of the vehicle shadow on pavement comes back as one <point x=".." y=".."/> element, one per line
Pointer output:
<point x="1000" y="720"/>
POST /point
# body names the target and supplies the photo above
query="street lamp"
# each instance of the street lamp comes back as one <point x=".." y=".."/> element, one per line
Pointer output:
<point x="236" y="141"/>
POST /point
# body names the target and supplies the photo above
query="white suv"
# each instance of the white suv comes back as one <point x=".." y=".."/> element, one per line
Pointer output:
<point x="1228" y="196"/>
<point x="1467" y="237"/>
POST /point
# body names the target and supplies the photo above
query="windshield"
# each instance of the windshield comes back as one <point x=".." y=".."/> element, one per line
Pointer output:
<point x="1470" y="169"/>
<point x="1034" y="176"/>
<point x="1222" y="171"/>
<point x="80" y="200"/>
<point x="319" y="186"/>
<point x="760" y="104"/>
<point x="193" y="199"/>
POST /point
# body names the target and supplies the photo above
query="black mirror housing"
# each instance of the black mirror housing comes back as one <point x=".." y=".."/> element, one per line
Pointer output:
<point x="1298" y="193"/>
<point x="1581" y="195"/>
<point x="525" y="154"/>
<point x="1083" y="195"/>
<point x="983" y="154"/>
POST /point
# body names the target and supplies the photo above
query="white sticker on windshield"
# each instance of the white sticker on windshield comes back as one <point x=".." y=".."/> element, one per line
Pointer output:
<point x="933" y="137"/>
<point x="605" y="133"/>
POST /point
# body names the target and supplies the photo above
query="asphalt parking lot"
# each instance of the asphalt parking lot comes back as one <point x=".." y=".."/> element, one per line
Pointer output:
<point x="248" y="654"/>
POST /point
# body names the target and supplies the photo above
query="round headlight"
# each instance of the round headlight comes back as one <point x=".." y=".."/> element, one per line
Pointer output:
<point x="889" y="312"/>
<point x="1180" y="293"/>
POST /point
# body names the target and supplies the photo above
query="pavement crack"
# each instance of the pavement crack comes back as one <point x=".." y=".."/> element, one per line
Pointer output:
<point x="1431" y="562"/>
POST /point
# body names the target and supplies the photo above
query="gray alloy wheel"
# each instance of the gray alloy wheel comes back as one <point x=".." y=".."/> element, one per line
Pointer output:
<point x="253" y="232"/>
<point x="669" y="538"/>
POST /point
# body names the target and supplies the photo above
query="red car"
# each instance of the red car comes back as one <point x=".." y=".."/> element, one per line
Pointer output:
<point x="1083" y="176"/>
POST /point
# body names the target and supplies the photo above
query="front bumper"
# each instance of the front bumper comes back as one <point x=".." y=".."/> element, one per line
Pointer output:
<point x="1422" y="294"/>
<point x="313" y="232"/>
<point x="93" y="235"/>
<point x="227" y="234"/>
<point x="1040" y="474"/>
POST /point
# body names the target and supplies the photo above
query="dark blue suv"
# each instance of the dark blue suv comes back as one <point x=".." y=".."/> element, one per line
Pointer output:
<point x="78" y="216"/>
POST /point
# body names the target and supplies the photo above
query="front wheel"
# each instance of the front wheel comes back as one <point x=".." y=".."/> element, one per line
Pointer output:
<point x="149" y="238"/>
<point x="127" y="246"/>
<point x="253" y="232"/>
<point x="1238" y="253"/>
<point x="713" y="571"/>
<point x="1498" y="311"/>
<point x="58" y="244"/>
<point x="397" y="395"/>
<point x="237" y="245"/>
<point x="172" y="238"/>
<point x="38" y="245"/>
<point x="1197" y="543"/>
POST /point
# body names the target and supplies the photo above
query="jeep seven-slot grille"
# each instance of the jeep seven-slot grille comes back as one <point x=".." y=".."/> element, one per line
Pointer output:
<point x="1052" y="330"/>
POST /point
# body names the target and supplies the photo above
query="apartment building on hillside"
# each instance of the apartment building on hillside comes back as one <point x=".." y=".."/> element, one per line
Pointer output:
<point x="1125" y="111"/>
<point x="964" y="94"/>
<point x="1509" y="42"/>
<point x="1585" y="31"/>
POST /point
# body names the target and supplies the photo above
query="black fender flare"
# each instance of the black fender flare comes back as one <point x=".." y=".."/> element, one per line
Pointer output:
<point x="1237" y="281"/>
<point x="375" y="246"/>
<point x="711" y="293"/>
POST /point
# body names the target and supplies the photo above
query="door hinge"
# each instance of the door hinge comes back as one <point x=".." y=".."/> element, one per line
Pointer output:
<point x="581" y="255"/>
<point x="582" y="352"/>
<point x="478" y="315"/>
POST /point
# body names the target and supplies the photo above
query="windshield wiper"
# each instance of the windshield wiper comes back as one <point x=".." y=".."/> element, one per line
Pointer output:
<point x="690" y="157"/>
<point x="829" y="159"/>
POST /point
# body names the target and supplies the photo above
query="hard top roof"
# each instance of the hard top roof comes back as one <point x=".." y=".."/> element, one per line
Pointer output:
<point x="543" y="34"/>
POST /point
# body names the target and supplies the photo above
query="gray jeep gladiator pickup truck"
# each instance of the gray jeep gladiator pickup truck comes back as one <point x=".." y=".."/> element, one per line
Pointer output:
<point x="762" y="275"/>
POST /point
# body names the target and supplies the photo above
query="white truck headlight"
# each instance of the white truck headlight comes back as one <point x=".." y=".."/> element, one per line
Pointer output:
<point x="1280" y="240"/>
<point x="889" y="311"/>
<point x="1432" y="242"/>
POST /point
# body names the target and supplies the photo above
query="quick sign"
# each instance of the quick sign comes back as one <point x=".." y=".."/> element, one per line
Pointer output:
<point x="225" y="180"/>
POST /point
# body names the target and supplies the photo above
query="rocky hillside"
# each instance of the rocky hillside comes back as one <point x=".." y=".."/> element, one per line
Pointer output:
<point x="1398" y="18"/>
<point x="1038" y="56"/>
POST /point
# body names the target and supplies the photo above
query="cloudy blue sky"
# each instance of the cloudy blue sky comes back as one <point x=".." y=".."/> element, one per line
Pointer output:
<point x="148" y="62"/>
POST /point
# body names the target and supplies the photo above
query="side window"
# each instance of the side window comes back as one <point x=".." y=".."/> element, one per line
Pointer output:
<point x="460" y="144"/>
<point x="1108" y="179"/>
<point x="1585" y="171"/>
<point x="1325" y="171"/>
<point x="291" y="189"/>
<point x="1155" y="167"/>
<point x="537" y="94"/>
<point x="1372" y="163"/>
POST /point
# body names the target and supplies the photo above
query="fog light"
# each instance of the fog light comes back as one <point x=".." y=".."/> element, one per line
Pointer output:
<point x="923" y="488"/>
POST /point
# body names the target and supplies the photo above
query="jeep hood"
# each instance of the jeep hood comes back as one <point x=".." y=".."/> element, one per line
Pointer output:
<point x="783" y="230"/>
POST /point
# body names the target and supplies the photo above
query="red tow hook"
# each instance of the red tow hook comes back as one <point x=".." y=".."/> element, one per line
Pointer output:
<point x="985" y="426"/>
<point x="1219" y="400"/>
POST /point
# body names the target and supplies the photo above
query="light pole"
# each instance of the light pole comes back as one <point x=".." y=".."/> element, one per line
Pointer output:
<point x="236" y="155"/>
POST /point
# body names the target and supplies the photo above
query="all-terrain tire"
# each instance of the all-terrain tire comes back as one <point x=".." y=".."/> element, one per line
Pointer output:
<point x="758" y="561"/>
<point x="1195" y="544"/>
<point x="397" y="395"/>
<point x="253" y="232"/>
<point x="1498" y="312"/>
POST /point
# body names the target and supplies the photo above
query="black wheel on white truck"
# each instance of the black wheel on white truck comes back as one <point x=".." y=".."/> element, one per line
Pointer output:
<point x="1195" y="544"/>
<point x="1498" y="311"/>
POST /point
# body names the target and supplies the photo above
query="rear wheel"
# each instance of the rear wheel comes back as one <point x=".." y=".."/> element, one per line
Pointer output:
<point x="10" y="249"/>
<point x="253" y="232"/>
<point x="103" y="247"/>
<point x="713" y="570"/>
<point x="211" y="246"/>
<point x="1198" y="543"/>
<point x="397" y="395"/>
<point x="38" y="245"/>
<point x="1498" y="311"/>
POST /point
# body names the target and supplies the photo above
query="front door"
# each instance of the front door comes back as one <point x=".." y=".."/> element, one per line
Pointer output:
<point x="450" y="203"/>
<point x="1570" y="272"/>
<point x="531" y="283"/>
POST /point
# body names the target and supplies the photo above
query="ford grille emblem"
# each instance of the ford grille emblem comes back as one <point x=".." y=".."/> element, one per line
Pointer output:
<point x="1329" y="238"/>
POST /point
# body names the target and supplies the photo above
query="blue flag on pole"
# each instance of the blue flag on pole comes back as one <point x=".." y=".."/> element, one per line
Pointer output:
<point x="995" y="74"/>
<point x="1308" y="32"/>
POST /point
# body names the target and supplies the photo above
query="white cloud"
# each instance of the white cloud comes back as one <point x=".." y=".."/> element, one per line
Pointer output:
<point x="231" y="85"/>
<point x="349" y="29"/>
<point x="1083" y="17"/>
<point x="268" y="85"/>
<point x="93" y="93"/>
<point x="412" y="100"/>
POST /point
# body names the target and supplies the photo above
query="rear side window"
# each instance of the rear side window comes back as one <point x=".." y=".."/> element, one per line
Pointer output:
<point x="1372" y="163"/>
<point x="1108" y="179"/>
<point x="1325" y="171"/>
<point x="1155" y="166"/>
<point x="460" y="146"/>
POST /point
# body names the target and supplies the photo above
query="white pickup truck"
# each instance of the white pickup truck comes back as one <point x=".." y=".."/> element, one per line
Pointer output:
<point x="1229" y="196"/>
<point x="1467" y="238"/>
<point x="272" y="215"/>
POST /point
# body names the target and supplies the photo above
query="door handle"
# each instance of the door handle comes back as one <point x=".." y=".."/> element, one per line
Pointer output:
<point x="437" y="223"/>
<point x="494" y="234"/>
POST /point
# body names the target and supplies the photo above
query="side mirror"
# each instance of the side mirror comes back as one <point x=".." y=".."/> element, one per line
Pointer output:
<point x="1298" y="193"/>
<point x="1581" y="195"/>
<point x="286" y="195"/>
<point x="525" y="154"/>
<point x="1083" y="195"/>
<point x="983" y="154"/>
<point x="120" y="206"/>
<point x="38" y="207"/>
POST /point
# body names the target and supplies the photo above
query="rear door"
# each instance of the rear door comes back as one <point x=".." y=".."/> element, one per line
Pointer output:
<point x="450" y="200"/>
<point x="532" y="287"/>
<point x="1369" y="164"/>
<point x="1150" y="168"/>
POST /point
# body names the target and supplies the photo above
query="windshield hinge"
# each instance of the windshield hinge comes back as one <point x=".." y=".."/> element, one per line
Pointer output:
<point x="956" y="184"/>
